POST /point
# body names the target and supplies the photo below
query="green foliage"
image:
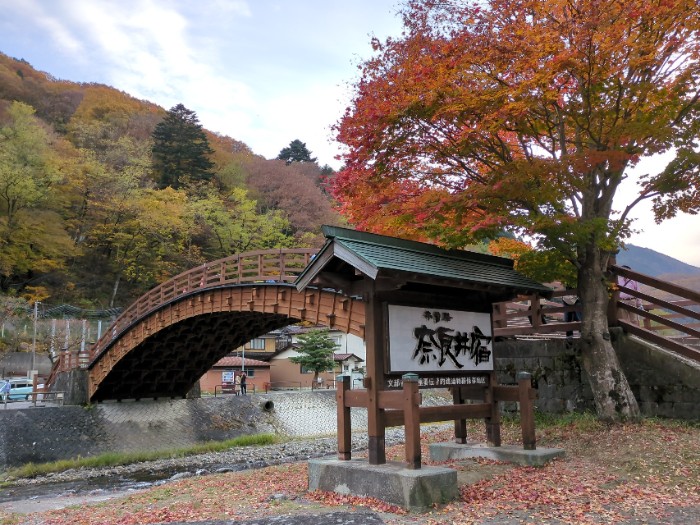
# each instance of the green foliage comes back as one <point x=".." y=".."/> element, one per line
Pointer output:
<point x="316" y="352"/>
<point x="578" y="421"/>
<point x="295" y="152"/>
<point x="548" y="266"/>
<point x="180" y="149"/>
<point x="82" y="219"/>
<point x="29" y="239"/>
<point x="231" y="224"/>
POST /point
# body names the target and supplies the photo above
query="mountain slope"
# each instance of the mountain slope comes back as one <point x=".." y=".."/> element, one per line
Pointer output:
<point x="650" y="262"/>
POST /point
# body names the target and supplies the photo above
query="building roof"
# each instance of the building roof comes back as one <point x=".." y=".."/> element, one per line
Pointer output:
<point x="237" y="362"/>
<point x="345" y="357"/>
<point x="375" y="255"/>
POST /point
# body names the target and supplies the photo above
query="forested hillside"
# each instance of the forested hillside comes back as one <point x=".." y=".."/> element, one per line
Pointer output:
<point x="102" y="196"/>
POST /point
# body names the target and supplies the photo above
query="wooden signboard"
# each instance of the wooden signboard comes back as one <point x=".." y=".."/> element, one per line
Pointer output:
<point x="427" y="325"/>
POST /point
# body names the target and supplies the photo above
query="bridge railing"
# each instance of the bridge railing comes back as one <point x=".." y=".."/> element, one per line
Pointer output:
<point x="281" y="265"/>
<point x="668" y="315"/>
<point x="534" y="316"/>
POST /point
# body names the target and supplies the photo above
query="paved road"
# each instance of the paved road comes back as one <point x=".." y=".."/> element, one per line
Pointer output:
<point x="16" y="405"/>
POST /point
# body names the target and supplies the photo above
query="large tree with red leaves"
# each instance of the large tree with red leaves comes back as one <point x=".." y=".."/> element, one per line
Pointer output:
<point x="527" y="115"/>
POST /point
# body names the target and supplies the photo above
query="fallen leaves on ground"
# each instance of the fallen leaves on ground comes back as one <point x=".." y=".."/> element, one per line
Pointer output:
<point x="609" y="474"/>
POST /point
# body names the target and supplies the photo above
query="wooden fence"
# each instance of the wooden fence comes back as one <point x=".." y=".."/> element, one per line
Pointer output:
<point x="667" y="315"/>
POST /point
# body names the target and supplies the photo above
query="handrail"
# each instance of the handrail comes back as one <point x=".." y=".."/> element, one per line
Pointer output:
<point x="670" y="322"/>
<point x="268" y="384"/>
<point x="532" y="315"/>
<point x="260" y="266"/>
<point x="233" y="389"/>
<point x="658" y="313"/>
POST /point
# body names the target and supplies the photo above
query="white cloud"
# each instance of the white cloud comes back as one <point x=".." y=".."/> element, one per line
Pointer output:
<point x="34" y="12"/>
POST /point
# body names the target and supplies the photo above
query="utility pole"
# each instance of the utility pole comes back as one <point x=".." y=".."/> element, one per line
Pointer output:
<point x="36" y="315"/>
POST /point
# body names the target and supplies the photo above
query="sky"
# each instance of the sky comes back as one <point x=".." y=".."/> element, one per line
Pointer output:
<point x="264" y="72"/>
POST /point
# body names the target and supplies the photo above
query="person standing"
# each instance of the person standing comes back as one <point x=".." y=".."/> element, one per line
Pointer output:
<point x="243" y="384"/>
<point x="630" y="284"/>
<point x="571" y="315"/>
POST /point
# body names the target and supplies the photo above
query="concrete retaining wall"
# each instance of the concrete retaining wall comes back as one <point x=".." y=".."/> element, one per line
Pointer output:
<point x="45" y="434"/>
<point x="664" y="385"/>
<point x="18" y="364"/>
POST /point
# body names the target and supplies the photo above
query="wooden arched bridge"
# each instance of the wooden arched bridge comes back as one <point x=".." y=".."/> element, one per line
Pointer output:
<point x="164" y="342"/>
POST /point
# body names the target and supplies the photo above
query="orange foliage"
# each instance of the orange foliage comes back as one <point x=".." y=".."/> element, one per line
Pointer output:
<point x="522" y="114"/>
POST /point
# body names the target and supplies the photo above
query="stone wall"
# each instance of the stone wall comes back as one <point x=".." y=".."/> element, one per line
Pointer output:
<point x="664" y="384"/>
<point x="556" y="371"/>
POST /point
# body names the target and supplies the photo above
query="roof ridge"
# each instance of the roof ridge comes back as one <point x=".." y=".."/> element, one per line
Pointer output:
<point x="430" y="249"/>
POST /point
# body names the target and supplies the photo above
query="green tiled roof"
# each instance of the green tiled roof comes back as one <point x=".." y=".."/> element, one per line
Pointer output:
<point x="380" y="253"/>
<point x="435" y="265"/>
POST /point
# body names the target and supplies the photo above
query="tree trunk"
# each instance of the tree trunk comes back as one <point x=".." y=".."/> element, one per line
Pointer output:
<point x="115" y="288"/>
<point x="613" y="397"/>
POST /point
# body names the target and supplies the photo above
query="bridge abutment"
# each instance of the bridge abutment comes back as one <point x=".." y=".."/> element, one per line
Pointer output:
<point x="74" y="385"/>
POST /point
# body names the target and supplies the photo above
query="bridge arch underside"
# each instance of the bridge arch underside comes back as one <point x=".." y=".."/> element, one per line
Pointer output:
<point x="165" y="353"/>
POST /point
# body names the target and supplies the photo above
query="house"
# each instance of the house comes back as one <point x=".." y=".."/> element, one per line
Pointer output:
<point x="225" y="370"/>
<point x="265" y="346"/>
<point x="274" y="350"/>
<point x="350" y="365"/>
<point x="349" y="360"/>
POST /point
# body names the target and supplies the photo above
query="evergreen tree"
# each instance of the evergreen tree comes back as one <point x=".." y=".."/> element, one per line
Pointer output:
<point x="315" y="352"/>
<point x="296" y="152"/>
<point x="180" y="149"/>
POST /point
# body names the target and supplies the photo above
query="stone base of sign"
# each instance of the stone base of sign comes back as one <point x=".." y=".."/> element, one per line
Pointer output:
<point x="511" y="453"/>
<point x="412" y="489"/>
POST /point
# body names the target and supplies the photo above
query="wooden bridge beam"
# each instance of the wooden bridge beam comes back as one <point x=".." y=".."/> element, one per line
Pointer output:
<point x="267" y="300"/>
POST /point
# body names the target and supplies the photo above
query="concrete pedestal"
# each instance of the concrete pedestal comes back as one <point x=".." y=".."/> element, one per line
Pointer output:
<point x="415" y="490"/>
<point x="511" y="453"/>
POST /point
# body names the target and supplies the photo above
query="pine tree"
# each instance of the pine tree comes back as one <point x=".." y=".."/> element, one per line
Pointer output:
<point x="295" y="152"/>
<point x="180" y="149"/>
<point x="315" y="352"/>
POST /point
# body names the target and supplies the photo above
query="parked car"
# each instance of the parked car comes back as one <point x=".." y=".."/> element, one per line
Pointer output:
<point x="19" y="388"/>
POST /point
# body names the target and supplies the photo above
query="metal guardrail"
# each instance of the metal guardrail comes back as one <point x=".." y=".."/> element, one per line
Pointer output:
<point x="281" y="385"/>
<point x="233" y="389"/>
<point x="38" y="396"/>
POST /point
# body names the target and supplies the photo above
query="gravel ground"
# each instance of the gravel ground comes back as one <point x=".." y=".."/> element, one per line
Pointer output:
<point x="235" y="459"/>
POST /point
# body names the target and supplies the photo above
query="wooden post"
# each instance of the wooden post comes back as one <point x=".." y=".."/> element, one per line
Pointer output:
<point x="342" y="385"/>
<point x="374" y="381"/>
<point x="527" y="413"/>
<point x="411" y="420"/>
<point x="460" y="424"/>
<point x="493" y="423"/>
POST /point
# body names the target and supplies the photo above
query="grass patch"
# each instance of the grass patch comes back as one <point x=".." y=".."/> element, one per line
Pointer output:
<point x="580" y="421"/>
<point x="112" y="459"/>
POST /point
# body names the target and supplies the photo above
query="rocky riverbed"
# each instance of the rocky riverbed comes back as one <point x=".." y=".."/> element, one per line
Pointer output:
<point x="144" y="474"/>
